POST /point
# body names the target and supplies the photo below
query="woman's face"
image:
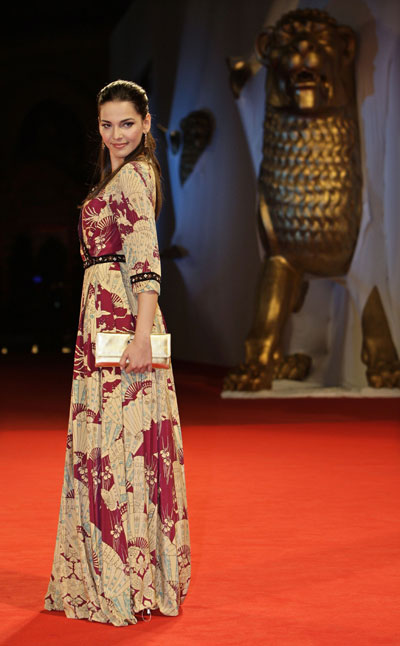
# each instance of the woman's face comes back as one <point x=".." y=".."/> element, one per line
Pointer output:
<point x="121" y="128"/>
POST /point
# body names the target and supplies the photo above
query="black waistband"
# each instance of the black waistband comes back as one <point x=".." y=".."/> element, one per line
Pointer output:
<point x="95" y="260"/>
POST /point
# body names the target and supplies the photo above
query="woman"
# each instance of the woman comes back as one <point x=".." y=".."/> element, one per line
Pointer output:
<point x="123" y="539"/>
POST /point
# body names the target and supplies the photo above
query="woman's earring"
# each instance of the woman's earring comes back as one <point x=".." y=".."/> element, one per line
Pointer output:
<point x="145" y="141"/>
<point x="104" y="146"/>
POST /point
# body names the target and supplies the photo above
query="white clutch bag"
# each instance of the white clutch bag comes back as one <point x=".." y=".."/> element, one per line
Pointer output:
<point x="111" y="345"/>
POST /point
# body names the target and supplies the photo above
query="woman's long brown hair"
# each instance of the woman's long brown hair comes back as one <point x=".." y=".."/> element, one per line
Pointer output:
<point x="126" y="91"/>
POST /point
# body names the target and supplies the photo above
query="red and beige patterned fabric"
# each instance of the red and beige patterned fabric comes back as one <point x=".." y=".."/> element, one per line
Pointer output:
<point x="123" y="537"/>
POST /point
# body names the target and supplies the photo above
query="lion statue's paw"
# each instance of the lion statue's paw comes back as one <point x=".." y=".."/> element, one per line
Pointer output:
<point x="294" y="366"/>
<point x="385" y="374"/>
<point x="249" y="377"/>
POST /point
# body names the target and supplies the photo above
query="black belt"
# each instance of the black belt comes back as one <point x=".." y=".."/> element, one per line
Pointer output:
<point x="96" y="260"/>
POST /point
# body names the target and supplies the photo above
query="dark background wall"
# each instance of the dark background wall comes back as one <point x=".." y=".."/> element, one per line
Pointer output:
<point x="53" y="63"/>
<point x="54" y="59"/>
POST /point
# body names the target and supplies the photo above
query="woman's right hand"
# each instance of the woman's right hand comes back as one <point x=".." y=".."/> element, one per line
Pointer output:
<point x="137" y="355"/>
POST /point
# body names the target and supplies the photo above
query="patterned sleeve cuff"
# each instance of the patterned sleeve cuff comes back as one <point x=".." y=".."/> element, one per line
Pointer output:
<point x="148" y="280"/>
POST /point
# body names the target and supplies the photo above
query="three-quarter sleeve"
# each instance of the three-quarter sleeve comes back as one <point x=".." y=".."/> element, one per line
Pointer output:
<point x="133" y="210"/>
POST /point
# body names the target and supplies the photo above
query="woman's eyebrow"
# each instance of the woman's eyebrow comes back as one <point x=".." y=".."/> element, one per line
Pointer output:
<point x="122" y="120"/>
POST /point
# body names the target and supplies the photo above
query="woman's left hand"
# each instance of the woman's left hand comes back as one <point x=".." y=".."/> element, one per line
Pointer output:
<point x="137" y="354"/>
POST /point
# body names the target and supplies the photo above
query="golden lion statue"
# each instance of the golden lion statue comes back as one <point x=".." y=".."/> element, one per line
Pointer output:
<point x="309" y="191"/>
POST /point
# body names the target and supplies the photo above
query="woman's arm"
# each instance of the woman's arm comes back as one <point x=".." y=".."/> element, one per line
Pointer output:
<point x="133" y="210"/>
<point x="138" y="352"/>
<point x="134" y="216"/>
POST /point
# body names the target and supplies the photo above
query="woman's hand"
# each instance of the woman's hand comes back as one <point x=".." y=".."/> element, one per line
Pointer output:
<point x="138" y="354"/>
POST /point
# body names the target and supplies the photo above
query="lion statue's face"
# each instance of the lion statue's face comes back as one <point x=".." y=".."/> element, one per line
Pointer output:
<point x="310" y="62"/>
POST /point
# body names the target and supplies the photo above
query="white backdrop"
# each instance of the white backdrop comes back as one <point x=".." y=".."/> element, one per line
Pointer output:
<point x="208" y="296"/>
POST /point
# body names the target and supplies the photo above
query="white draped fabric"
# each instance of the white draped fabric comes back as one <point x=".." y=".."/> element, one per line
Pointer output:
<point x="215" y="209"/>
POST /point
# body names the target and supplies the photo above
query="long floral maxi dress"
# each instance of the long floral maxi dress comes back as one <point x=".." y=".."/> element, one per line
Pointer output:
<point x="123" y="538"/>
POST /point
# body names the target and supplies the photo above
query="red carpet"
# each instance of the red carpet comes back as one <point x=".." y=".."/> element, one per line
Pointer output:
<point x="294" y="510"/>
